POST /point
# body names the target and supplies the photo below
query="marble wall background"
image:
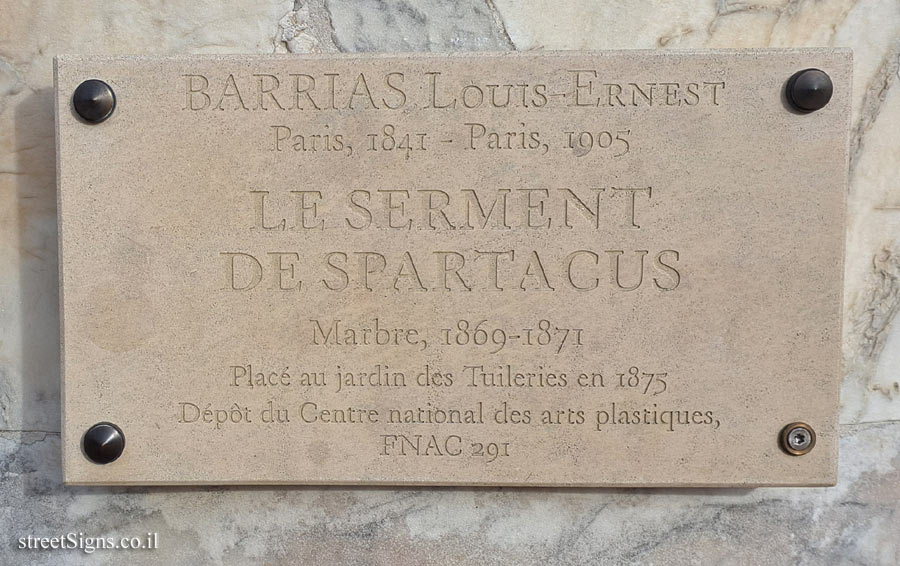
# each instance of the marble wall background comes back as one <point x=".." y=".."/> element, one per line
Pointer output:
<point x="857" y="522"/>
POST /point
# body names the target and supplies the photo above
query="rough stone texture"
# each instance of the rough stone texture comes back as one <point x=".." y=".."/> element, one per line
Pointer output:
<point x="853" y="523"/>
<point x="416" y="25"/>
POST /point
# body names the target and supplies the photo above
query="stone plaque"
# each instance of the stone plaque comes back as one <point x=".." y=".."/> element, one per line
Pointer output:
<point x="561" y="269"/>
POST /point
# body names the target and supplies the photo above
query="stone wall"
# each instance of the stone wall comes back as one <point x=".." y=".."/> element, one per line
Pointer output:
<point x="853" y="523"/>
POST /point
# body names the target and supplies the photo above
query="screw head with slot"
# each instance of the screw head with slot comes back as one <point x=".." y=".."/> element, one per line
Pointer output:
<point x="798" y="439"/>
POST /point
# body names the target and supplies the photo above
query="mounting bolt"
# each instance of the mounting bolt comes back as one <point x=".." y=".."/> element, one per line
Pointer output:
<point x="103" y="443"/>
<point x="94" y="101"/>
<point x="809" y="90"/>
<point x="798" y="439"/>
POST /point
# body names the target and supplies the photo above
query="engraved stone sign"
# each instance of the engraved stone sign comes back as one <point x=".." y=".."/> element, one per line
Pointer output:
<point x="572" y="269"/>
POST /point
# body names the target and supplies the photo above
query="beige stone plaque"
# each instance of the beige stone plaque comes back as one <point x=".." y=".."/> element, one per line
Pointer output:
<point x="561" y="269"/>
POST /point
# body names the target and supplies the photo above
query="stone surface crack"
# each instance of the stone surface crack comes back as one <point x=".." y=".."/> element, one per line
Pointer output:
<point x="307" y="29"/>
<point x="869" y="423"/>
<point x="876" y="92"/>
<point x="882" y="303"/>
<point x="497" y="18"/>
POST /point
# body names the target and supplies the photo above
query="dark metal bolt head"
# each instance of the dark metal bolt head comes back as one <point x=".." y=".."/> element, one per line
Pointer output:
<point x="103" y="443"/>
<point x="94" y="101"/>
<point x="809" y="90"/>
<point x="798" y="439"/>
